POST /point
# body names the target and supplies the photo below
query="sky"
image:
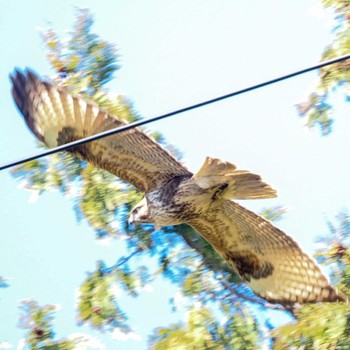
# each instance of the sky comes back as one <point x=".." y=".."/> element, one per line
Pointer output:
<point x="173" y="54"/>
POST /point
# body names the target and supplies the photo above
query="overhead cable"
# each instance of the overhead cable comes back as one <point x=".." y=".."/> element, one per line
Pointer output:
<point x="170" y="114"/>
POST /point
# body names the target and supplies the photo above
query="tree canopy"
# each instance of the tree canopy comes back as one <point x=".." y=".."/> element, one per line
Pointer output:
<point x="219" y="307"/>
<point x="317" y="109"/>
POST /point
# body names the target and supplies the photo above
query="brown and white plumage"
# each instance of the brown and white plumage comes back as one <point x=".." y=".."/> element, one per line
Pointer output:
<point x="270" y="261"/>
<point x="56" y="117"/>
<point x="266" y="258"/>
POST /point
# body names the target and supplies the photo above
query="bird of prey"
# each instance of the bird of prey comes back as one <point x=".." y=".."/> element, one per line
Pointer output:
<point x="267" y="259"/>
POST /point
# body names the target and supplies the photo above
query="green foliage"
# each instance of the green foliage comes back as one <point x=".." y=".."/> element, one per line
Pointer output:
<point x="98" y="196"/>
<point x="335" y="252"/>
<point x="274" y="213"/>
<point x="242" y="332"/>
<point x="316" y="109"/>
<point x="37" y="320"/>
<point x="324" y="326"/>
<point x="193" y="283"/>
<point x="69" y="59"/>
<point x="97" y="304"/>
<point x="202" y="331"/>
<point x="84" y="64"/>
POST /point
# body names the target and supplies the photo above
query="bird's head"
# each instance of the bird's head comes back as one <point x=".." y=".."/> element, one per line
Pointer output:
<point x="140" y="213"/>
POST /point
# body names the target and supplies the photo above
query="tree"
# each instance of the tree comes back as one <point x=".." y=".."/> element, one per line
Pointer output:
<point x="203" y="331"/>
<point x="332" y="329"/>
<point x="37" y="320"/>
<point x="84" y="64"/>
<point x="317" y="110"/>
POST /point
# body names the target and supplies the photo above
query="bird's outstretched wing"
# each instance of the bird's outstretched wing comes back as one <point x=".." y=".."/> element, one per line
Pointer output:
<point x="57" y="117"/>
<point x="270" y="261"/>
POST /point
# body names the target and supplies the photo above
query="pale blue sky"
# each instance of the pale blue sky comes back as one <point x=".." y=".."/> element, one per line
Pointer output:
<point x="173" y="53"/>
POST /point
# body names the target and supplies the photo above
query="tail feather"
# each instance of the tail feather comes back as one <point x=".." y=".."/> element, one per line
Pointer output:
<point x="240" y="184"/>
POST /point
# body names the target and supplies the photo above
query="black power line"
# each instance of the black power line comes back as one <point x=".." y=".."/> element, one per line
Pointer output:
<point x="170" y="114"/>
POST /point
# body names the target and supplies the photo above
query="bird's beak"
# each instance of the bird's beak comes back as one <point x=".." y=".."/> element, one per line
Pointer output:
<point x="131" y="220"/>
<point x="132" y="223"/>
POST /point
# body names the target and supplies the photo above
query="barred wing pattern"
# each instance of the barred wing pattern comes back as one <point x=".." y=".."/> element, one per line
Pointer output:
<point x="266" y="258"/>
<point x="56" y="117"/>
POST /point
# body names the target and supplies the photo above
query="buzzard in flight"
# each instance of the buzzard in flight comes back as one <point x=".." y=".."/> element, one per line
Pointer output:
<point x="266" y="258"/>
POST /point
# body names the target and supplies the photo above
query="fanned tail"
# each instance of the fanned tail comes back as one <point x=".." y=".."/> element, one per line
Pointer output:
<point x="234" y="184"/>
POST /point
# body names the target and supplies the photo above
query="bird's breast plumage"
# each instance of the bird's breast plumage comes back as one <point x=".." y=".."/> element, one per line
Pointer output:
<point x="179" y="201"/>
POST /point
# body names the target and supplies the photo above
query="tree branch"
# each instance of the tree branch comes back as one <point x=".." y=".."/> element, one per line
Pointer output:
<point x="104" y="270"/>
<point x="256" y="300"/>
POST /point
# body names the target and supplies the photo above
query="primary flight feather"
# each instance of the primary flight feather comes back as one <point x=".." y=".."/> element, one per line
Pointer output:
<point x="266" y="258"/>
